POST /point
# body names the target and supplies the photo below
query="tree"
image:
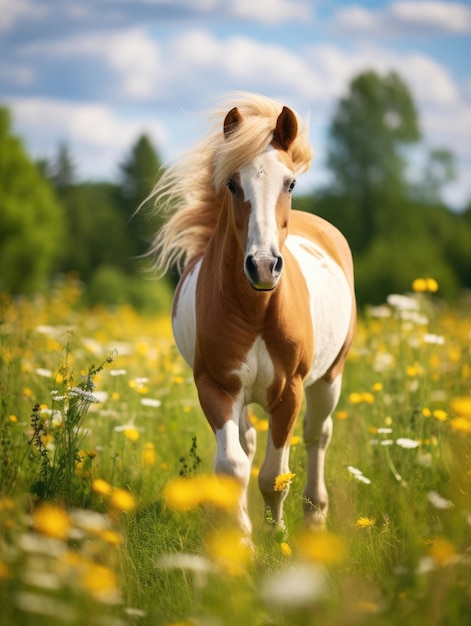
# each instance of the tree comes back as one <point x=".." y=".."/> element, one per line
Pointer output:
<point x="371" y="127"/>
<point x="139" y="173"/>
<point x="31" y="219"/>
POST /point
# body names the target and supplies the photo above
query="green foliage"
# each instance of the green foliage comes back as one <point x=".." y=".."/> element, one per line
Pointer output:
<point x="31" y="219"/>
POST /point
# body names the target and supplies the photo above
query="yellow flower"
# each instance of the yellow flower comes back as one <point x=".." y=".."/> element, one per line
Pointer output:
<point x="419" y="285"/>
<point x="295" y="439"/>
<point x="101" y="582"/>
<point x="229" y="551"/>
<point x="426" y="412"/>
<point x="462" y="406"/>
<point x="131" y="433"/>
<point x="181" y="495"/>
<point x="102" y="487"/>
<point x="282" y="481"/>
<point x="432" y="285"/>
<point x="52" y="520"/>
<point x="285" y="549"/>
<point x="355" y="398"/>
<point x="13" y="419"/>
<point x="341" y="415"/>
<point x="148" y="455"/>
<point x="460" y="424"/>
<point x="122" y="500"/>
<point x="111" y="537"/>
<point x="184" y="494"/>
<point x="261" y="426"/>
<point x="441" y="550"/>
<point x="377" y="387"/>
<point x="440" y="415"/>
<point x="321" y="546"/>
<point x="365" y="522"/>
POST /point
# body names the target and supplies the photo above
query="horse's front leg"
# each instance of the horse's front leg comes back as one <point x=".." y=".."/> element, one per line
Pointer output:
<point x="223" y="412"/>
<point x="276" y="462"/>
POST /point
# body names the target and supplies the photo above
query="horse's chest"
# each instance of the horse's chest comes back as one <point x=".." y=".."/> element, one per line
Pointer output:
<point x="256" y="373"/>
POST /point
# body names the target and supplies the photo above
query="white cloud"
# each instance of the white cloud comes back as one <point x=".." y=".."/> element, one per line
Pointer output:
<point x="12" y="11"/>
<point x="96" y="134"/>
<point x="405" y="17"/>
<point x="271" y="11"/>
<point x="132" y="54"/>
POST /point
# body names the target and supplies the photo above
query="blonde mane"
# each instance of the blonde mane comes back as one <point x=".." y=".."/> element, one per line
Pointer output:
<point x="192" y="190"/>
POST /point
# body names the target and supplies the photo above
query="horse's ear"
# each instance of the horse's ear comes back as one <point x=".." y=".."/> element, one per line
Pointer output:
<point x="232" y="121"/>
<point x="286" y="128"/>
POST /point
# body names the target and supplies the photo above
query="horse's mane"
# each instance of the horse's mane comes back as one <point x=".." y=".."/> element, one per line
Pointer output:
<point x="192" y="190"/>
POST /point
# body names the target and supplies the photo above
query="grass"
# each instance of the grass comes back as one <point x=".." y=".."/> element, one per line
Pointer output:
<point x="99" y="419"/>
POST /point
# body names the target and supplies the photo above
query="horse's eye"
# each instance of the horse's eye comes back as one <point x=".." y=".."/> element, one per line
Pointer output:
<point x="292" y="185"/>
<point x="231" y="187"/>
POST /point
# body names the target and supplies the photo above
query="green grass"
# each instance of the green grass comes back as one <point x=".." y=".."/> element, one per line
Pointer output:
<point x="397" y="549"/>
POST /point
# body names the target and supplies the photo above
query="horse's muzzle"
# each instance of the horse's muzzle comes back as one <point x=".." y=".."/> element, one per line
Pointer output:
<point x="263" y="272"/>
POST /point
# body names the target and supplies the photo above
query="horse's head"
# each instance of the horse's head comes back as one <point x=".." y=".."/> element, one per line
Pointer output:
<point x="261" y="201"/>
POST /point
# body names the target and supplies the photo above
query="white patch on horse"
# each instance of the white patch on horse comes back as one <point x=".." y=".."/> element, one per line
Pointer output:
<point x="330" y="301"/>
<point x="256" y="373"/>
<point x="184" y="316"/>
<point x="262" y="181"/>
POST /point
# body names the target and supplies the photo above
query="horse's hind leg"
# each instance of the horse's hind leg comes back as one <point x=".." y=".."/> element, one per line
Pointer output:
<point x="321" y="399"/>
<point x="247" y="435"/>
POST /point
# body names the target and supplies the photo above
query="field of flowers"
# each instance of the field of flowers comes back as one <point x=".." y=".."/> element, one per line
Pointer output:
<point x="110" y="515"/>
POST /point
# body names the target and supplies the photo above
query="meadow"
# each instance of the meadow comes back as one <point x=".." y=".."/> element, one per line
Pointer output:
<point x="110" y="516"/>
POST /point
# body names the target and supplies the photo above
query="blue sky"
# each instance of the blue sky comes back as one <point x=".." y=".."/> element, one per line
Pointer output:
<point x="97" y="73"/>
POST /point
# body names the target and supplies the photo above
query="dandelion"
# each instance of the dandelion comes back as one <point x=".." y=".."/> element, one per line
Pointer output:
<point x="462" y="406"/>
<point x="341" y="415"/>
<point x="229" y="551"/>
<point x="102" y="487"/>
<point x="132" y="434"/>
<point x="282" y="481"/>
<point x="53" y="521"/>
<point x="442" y="551"/>
<point x="148" y="455"/>
<point x="377" y="387"/>
<point x="13" y="419"/>
<point x="322" y="547"/>
<point x="285" y="549"/>
<point x="460" y="424"/>
<point x="365" y="522"/>
<point x="122" y="500"/>
<point x="102" y="584"/>
<point x="295" y="439"/>
<point x="440" y="415"/>
<point x="262" y="426"/>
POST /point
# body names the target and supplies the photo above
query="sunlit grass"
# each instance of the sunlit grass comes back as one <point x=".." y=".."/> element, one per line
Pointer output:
<point x="109" y="513"/>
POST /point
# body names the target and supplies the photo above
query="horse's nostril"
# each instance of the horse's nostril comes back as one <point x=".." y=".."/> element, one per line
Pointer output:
<point x="277" y="266"/>
<point x="250" y="265"/>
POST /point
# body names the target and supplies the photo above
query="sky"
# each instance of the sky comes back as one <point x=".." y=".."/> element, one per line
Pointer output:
<point x="96" y="74"/>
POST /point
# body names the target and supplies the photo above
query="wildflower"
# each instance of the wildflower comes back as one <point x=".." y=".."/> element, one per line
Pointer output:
<point x="442" y="551"/>
<point x="282" y="481"/>
<point x="285" y="548"/>
<point x="13" y="419"/>
<point x="52" y="520"/>
<point x="184" y="494"/>
<point x="438" y="501"/>
<point x="262" y="426"/>
<point x="426" y="412"/>
<point x="440" y="415"/>
<point x="377" y="387"/>
<point x="102" y="487"/>
<point x="402" y="303"/>
<point x="420" y="285"/>
<point x="41" y="371"/>
<point x="122" y="500"/>
<point x="148" y="455"/>
<point x="101" y="582"/>
<point x="462" y="406"/>
<point x="151" y="402"/>
<point x="120" y="372"/>
<point x="358" y="475"/>
<point x="404" y="442"/>
<point x="341" y="415"/>
<point x="229" y="551"/>
<point x="460" y="424"/>
<point x="365" y="522"/>
<point x="303" y="584"/>
<point x="295" y="439"/>
<point x="322" y="547"/>
<point x="132" y="434"/>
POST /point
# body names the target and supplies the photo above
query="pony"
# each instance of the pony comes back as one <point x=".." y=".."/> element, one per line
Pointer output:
<point x="264" y="311"/>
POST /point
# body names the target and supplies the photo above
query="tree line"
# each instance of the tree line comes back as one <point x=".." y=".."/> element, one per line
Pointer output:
<point x="51" y="223"/>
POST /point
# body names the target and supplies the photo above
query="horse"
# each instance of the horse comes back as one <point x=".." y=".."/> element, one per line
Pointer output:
<point x="264" y="311"/>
